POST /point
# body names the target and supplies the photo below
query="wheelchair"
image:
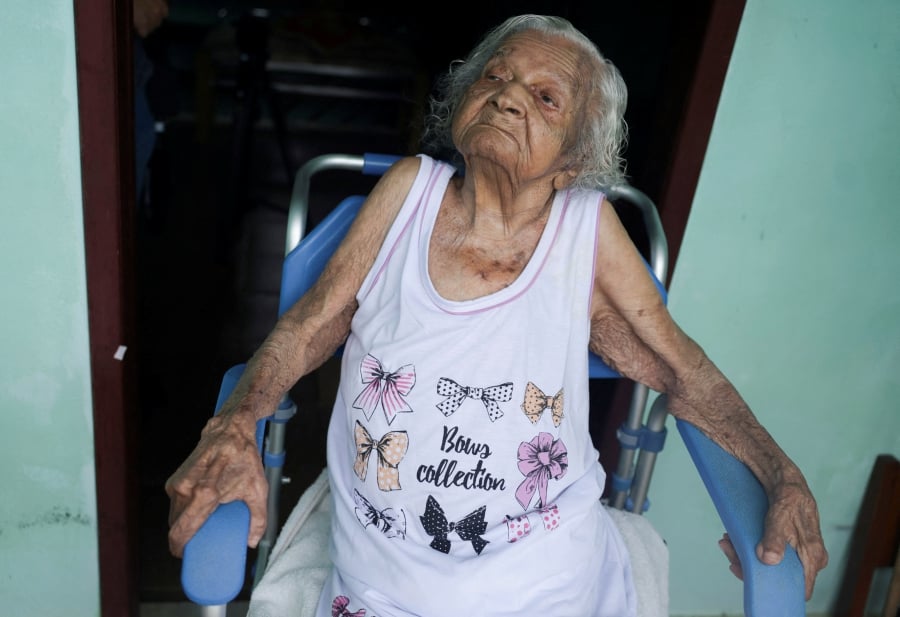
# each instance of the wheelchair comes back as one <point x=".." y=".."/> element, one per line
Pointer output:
<point x="214" y="568"/>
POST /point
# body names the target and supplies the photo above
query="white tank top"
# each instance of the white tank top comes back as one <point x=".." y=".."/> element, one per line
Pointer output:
<point x="462" y="470"/>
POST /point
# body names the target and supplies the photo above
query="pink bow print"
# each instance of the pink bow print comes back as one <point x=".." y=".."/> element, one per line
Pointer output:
<point x="383" y="389"/>
<point x="540" y="459"/>
<point x="519" y="527"/>
<point x="339" y="608"/>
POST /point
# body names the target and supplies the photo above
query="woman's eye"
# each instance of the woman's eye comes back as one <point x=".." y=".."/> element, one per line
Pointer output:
<point x="493" y="77"/>
<point x="546" y="98"/>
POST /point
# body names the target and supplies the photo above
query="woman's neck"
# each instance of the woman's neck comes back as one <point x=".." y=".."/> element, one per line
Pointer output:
<point x="497" y="209"/>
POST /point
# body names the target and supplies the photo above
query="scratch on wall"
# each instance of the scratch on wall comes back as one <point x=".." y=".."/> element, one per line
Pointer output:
<point x="58" y="515"/>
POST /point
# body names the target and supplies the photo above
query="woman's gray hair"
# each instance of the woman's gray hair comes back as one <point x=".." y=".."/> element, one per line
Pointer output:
<point x="597" y="153"/>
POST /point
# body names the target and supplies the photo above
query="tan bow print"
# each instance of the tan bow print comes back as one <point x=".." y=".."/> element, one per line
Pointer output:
<point x="536" y="402"/>
<point x="391" y="450"/>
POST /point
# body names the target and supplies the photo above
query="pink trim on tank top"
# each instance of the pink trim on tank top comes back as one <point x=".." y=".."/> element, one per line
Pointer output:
<point x="445" y="305"/>
<point x="434" y="176"/>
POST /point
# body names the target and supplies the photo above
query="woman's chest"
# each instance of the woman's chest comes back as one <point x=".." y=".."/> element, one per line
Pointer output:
<point x="465" y="262"/>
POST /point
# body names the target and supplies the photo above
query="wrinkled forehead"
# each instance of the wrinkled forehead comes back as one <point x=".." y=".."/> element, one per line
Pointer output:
<point x="558" y="55"/>
<point x="535" y="39"/>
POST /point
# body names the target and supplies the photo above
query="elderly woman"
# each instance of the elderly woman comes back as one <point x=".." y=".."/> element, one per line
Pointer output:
<point x="467" y="302"/>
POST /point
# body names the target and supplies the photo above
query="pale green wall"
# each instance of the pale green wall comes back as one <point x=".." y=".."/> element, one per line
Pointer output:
<point x="48" y="530"/>
<point x="788" y="275"/>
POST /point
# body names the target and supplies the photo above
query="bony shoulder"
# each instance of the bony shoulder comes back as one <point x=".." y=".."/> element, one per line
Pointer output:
<point x="407" y="166"/>
<point x="609" y="219"/>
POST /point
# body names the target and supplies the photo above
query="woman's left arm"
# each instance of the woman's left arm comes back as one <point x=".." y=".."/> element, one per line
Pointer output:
<point x="631" y="329"/>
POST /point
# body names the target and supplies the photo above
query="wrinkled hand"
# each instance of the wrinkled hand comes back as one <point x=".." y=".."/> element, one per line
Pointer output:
<point x="147" y="15"/>
<point x="225" y="466"/>
<point x="792" y="519"/>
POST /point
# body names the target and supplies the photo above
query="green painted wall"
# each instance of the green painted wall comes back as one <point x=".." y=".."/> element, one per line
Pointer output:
<point x="788" y="275"/>
<point x="48" y="530"/>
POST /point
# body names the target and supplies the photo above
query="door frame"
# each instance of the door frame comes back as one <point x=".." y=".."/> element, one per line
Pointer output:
<point x="104" y="73"/>
<point x="692" y="137"/>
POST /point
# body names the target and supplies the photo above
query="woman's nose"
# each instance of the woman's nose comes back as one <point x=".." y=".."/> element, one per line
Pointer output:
<point x="508" y="98"/>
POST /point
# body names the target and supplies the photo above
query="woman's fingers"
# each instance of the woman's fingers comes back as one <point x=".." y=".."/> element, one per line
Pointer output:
<point x="186" y="516"/>
<point x="225" y="466"/>
<point x="734" y="561"/>
<point x="793" y="518"/>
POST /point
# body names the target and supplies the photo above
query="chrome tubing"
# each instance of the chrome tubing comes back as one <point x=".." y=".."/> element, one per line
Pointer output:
<point x="659" y="264"/>
<point x="656" y="423"/>
<point x="299" y="208"/>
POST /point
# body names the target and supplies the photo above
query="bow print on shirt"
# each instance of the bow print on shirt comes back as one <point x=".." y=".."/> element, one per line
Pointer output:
<point x="519" y="527"/>
<point x="469" y="529"/>
<point x="391" y="449"/>
<point x="339" y="608"/>
<point x="456" y="394"/>
<point x="540" y="459"/>
<point x="388" y="521"/>
<point x="383" y="389"/>
<point x="536" y="402"/>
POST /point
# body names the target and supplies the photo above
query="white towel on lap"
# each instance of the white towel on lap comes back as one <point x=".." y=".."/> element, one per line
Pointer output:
<point x="649" y="562"/>
<point x="299" y="562"/>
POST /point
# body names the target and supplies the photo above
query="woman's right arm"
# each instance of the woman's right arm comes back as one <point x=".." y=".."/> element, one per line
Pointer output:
<point x="225" y="465"/>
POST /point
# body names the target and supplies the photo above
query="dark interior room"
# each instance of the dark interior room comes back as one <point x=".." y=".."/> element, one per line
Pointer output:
<point x="242" y="94"/>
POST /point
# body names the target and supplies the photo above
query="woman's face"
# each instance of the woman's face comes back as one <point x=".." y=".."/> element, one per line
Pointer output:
<point x="524" y="110"/>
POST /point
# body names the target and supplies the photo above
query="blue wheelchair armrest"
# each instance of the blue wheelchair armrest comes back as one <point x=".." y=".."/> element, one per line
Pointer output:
<point x="213" y="569"/>
<point x="769" y="591"/>
<point x="215" y="559"/>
